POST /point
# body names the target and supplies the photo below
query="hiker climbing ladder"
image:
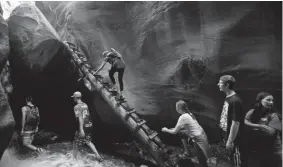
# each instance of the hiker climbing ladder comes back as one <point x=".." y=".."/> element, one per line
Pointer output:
<point x="127" y="114"/>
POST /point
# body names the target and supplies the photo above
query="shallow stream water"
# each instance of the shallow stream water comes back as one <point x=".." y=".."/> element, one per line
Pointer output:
<point x="59" y="155"/>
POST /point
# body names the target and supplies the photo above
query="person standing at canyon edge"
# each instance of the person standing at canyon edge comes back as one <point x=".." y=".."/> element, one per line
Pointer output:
<point x="232" y="122"/>
<point x="189" y="128"/>
<point x="84" y="128"/>
<point x="117" y="65"/>
<point x="30" y="122"/>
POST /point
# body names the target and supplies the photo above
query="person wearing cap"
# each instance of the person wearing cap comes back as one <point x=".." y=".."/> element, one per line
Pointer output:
<point x="232" y="121"/>
<point x="265" y="130"/>
<point x="30" y="122"/>
<point x="83" y="133"/>
<point x="117" y="65"/>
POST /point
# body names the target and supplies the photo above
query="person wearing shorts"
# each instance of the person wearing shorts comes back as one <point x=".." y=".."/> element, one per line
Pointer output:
<point x="83" y="135"/>
<point x="30" y="122"/>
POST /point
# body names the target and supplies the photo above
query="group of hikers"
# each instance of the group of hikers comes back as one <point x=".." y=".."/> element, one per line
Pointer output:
<point x="84" y="126"/>
<point x="257" y="131"/>
<point x="255" y="134"/>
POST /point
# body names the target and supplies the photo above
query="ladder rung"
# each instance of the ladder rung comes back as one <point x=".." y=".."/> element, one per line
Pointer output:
<point x="152" y="135"/>
<point x="113" y="92"/>
<point x="87" y="65"/>
<point x="71" y="44"/>
<point x="129" y="113"/>
<point x="84" y="60"/>
<point x="121" y="100"/>
<point x="105" y="83"/>
<point x="141" y="122"/>
<point x="129" y="109"/>
<point x="97" y="76"/>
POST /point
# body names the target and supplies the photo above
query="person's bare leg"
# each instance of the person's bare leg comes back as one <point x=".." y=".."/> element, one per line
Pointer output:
<point x="186" y="146"/>
<point x="75" y="150"/>
<point x="32" y="147"/>
<point x="92" y="147"/>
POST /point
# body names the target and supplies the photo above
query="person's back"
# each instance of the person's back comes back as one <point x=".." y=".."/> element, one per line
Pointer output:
<point x="116" y="62"/>
<point x="32" y="118"/>
<point x="82" y="107"/>
<point x="83" y="134"/>
<point x="190" y="125"/>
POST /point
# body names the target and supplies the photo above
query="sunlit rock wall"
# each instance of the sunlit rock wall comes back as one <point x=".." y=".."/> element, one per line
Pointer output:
<point x="32" y="38"/>
<point x="160" y="41"/>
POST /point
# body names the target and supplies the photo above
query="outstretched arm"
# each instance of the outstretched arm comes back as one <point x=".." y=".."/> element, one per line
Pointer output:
<point x="174" y="130"/>
<point x="101" y="66"/>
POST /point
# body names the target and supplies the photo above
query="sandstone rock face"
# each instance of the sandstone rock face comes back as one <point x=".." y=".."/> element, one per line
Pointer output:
<point x="6" y="116"/>
<point x="4" y="42"/>
<point x="167" y="45"/>
<point x="35" y="44"/>
<point x="32" y="38"/>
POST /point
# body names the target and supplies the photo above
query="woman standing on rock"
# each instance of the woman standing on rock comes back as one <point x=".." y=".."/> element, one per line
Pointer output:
<point x="265" y="132"/>
<point x="188" y="126"/>
<point x="117" y="65"/>
<point x="30" y="122"/>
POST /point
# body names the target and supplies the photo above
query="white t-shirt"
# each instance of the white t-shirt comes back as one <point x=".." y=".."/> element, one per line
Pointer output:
<point x="188" y="122"/>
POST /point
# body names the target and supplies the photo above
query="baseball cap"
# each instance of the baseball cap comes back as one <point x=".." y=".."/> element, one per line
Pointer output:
<point x="77" y="94"/>
<point x="226" y="78"/>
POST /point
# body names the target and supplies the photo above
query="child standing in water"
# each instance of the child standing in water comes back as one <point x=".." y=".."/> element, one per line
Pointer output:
<point x="83" y="133"/>
<point x="117" y="65"/>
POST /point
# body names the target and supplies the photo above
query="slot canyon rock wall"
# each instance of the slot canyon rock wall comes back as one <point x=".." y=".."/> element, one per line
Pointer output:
<point x="38" y="68"/>
<point x="7" y="122"/>
<point x="167" y="45"/>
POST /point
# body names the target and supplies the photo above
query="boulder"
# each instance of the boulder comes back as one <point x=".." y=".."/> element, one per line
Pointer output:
<point x="7" y="122"/>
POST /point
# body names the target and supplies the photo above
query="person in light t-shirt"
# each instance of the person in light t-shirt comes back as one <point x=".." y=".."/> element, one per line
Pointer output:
<point x="188" y="127"/>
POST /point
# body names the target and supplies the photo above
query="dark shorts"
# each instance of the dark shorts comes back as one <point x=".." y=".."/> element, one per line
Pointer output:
<point x="27" y="137"/>
<point x="83" y="140"/>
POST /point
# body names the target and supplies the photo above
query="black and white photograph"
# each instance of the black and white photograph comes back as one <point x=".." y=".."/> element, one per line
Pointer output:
<point x="140" y="83"/>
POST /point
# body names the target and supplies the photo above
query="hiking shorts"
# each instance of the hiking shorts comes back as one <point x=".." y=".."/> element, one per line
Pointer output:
<point x="27" y="137"/>
<point x="83" y="140"/>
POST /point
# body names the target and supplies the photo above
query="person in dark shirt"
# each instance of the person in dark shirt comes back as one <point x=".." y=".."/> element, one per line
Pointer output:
<point x="83" y="133"/>
<point x="232" y="122"/>
<point x="117" y="65"/>
<point x="265" y="130"/>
